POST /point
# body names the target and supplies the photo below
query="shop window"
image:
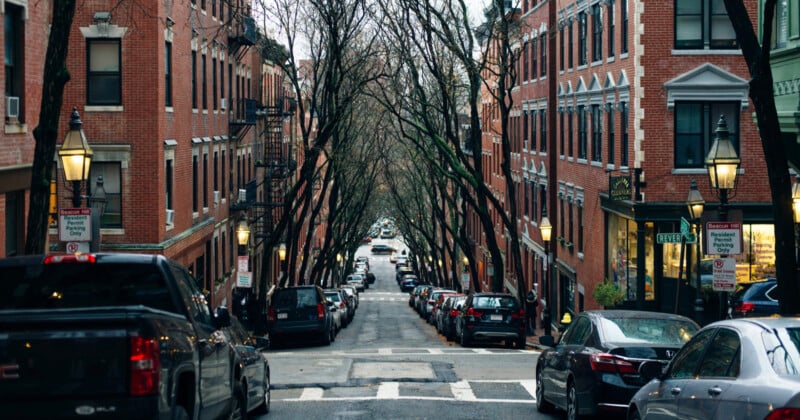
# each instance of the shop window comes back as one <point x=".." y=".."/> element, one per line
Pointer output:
<point x="623" y="259"/>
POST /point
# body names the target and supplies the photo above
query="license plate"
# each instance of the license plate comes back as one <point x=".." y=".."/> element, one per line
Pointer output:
<point x="496" y="317"/>
<point x="283" y="316"/>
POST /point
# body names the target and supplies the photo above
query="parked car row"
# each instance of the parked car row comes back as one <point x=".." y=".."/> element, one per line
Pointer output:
<point x="471" y="319"/>
<point x="649" y="365"/>
<point x="309" y="312"/>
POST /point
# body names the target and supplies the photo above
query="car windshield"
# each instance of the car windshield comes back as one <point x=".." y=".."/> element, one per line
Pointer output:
<point x="646" y="330"/>
<point x="333" y="296"/>
<point x="494" y="302"/>
<point x="298" y="298"/>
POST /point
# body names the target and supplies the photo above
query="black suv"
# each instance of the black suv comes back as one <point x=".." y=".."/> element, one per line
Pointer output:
<point x="300" y="312"/>
<point x="491" y="317"/>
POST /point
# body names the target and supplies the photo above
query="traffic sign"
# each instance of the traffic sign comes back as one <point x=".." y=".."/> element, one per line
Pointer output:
<point x="724" y="238"/>
<point x="724" y="271"/>
<point x="75" y="225"/>
<point x="674" y="238"/>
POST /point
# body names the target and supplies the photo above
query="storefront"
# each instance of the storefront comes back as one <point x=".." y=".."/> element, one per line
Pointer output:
<point x="638" y="258"/>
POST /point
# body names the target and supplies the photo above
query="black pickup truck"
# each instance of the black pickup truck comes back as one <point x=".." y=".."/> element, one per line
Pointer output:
<point x="110" y="336"/>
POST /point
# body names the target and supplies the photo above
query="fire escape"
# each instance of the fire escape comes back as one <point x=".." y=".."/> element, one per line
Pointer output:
<point x="241" y="36"/>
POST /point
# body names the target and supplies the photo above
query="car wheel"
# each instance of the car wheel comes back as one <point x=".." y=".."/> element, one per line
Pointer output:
<point x="325" y="337"/>
<point x="633" y="413"/>
<point x="572" y="402"/>
<point x="521" y="342"/>
<point x="179" y="413"/>
<point x="239" y="408"/>
<point x="465" y="341"/>
<point x="542" y="405"/>
<point x="264" y="407"/>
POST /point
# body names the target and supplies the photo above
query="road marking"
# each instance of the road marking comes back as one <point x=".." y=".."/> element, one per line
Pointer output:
<point x="462" y="391"/>
<point x="311" y="394"/>
<point x="388" y="390"/>
<point x="393" y="352"/>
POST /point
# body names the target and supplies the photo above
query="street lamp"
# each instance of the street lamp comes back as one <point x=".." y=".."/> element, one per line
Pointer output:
<point x="243" y="234"/>
<point x="282" y="258"/>
<point x="76" y="156"/>
<point x="723" y="165"/>
<point x="796" y="208"/>
<point x="695" y="203"/>
<point x="546" y="229"/>
<point x="98" y="202"/>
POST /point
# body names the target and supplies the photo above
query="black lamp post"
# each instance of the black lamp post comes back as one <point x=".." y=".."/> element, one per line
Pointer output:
<point x="695" y="203"/>
<point x="546" y="230"/>
<point x="723" y="166"/>
<point x="76" y="156"/>
<point x="282" y="258"/>
<point x="97" y="201"/>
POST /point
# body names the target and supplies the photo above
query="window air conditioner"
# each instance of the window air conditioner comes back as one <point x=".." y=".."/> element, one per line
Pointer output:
<point x="223" y="103"/>
<point x="242" y="196"/>
<point x="216" y="197"/>
<point x="170" y="217"/>
<point x="12" y="106"/>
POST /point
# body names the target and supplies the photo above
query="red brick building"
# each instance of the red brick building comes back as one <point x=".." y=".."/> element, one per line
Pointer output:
<point x="613" y="127"/>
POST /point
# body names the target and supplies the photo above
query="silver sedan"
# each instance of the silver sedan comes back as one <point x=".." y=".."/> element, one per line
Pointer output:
<point x="736" y="368"/>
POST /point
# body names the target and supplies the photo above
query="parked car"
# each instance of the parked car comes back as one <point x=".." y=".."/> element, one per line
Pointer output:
<point x="412" y="295"/>
<point x="370" y="278"/>
<point x="593" y="369"/>
<point x="759" y="298"/>
<point x="447" y="313"/>
<point x="421" y="303"/>
<point x="300" y="312"/>
<point x="352" y="296"/>
<point x="339" y="301"/>
<point x="409" y="283"/>
<point x="251" y="367"/>
<point x="381" y="249"/>
<point x="739" y="368"/>
<point x="111" y="335"/>
<point x="402" y="272"/>
<point x="491" y="317"/>
<point x="357" y="281"/>
<point x="434" y="299"/>
<point x="393" y="257"/>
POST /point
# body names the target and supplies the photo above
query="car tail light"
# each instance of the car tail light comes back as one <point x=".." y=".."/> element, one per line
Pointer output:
<point x="320" y="311"/>
<point x="604" y="362"/>
<point x="518" y="315"/>
<point x="473" y="312"/>
<point x="70" y="258"/>
<point x="453" y="313"/>
<point x="271" y="314"/>
<point x="785" y="413"/>
<point x="144" y="366"/>
<point x="341" y="305"/>
<point x="744" y="307"/>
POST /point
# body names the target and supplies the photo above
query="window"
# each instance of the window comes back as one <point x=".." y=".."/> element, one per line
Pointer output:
<point x="169" y="178"/>
<point x="534" y="200"/>
<point x="580" y="227"/>
<point x="723" y="358"/>
<point x="222" y="173"/>
<point x="597" y="134"/>
<point x="611" y="140"/>
<point x="623" y="7"/>
<point x="570" y="137"/>
<point x="561" y="133"/>
<point x="525" y="57"/>
<point x="104" y="84"/>
<point x="203" y="78"/>
<point x="582" y="132"/>
<point x="597" y="32"/>
<point x="216" y="171"/>
<point x="214" y="83"/>
<point x="194" y="79"/>
<point x="623" y="144"/>
<point x="222" y="77"/>
<point x="780" y="25"/>
<point x="562" y="218"/>
<point x="703" y="24"/>
<point x="543" y="200"/>
<point x="561" y="49"/>
<point x="543" y="129"/>
<point x="611" y="28"/>
<point x="534" y="58"/>
<point x="570" y="53"/>
<point x="525" y="199"/>
<point x="688" y="359"/>
<point x="195" y="176"/>
<point x="543" y="49"/>
<point x="525" y="118"/>
<point x="533" y="130"/>
<point x="14" y="56"/>
<point x="110" y="173"/>
<point x="168" y="74"/>
<point x="205" y="180"/>
<point x="582" y="38"/>
<point x="571" y="228"/>
<point x="695" y="125"/>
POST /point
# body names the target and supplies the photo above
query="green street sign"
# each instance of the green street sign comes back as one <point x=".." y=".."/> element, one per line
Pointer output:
<point x="685" y="227"/>
<point x="674" y="238"/>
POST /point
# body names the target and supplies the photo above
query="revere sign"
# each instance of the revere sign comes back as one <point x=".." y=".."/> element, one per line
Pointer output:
<point x="75" y="225"/>
<point x="723" y="238"/>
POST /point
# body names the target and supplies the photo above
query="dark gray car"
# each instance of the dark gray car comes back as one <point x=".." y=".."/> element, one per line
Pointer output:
<point x="300" y="312"/>
<point x="736" y="368"/>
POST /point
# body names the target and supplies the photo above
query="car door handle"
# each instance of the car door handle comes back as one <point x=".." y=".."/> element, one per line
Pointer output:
<point x="714" y="391"/>
<point x="675" y="390"/>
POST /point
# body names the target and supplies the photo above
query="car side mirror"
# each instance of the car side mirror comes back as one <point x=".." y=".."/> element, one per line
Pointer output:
<point x="651" y="369"/>
<point x="222" y="318"/>
<point x="262" y="343"/>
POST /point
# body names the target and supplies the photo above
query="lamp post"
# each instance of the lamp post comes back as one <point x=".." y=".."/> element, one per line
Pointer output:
<point x="723" y="166"/>
<point x="695" y="203"/>
<point x="282" y="258"/>
<point x="243" y="235"/>
<point x="97" y="202"/>
<point x="339" y="268"/>
<point x="76" y="156"/>
<point x="546" y="230"/>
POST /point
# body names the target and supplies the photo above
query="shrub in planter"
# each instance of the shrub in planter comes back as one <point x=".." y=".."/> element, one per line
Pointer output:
<point x="608" y="294"/>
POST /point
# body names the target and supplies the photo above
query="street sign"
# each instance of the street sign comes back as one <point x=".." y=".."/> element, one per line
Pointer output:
<point x="724" y="238"/>
<point x="674" y="238"/>
<point x="242" y="263"/>
<point x="244" y="279"/>
<point x="75" y="225"/>
<point x="686" y="228"/>
<point x="724" y="271"/>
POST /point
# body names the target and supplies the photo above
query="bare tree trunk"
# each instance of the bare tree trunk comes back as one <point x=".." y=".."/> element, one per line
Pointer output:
<point x="56" y="76"/>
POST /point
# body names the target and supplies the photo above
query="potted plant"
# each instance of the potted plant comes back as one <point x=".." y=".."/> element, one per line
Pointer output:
<point x="608" y="294"/>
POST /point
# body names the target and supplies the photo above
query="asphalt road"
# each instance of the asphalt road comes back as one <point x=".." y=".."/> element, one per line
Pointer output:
<point x="390" y="364"/>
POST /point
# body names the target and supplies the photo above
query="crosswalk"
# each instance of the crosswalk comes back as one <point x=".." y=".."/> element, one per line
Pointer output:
<point x="399" y="351"/>
<point x="521" y="391"/>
